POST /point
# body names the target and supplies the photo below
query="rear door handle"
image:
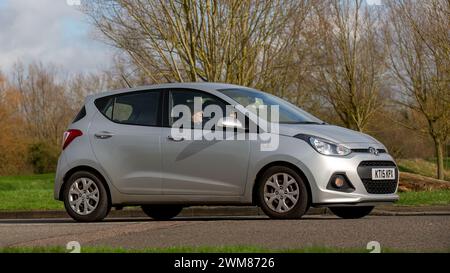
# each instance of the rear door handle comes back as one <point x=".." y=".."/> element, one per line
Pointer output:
<point x="104" y="135"/>
<point x="171" y="138"/>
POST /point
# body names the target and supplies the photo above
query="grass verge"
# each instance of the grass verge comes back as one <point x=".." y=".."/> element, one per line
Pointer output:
<point x="423" y="167"/>
<point x="35" y="192"/>
<point x="424" y="198"/>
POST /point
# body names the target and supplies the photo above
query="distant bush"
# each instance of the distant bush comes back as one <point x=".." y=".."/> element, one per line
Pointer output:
<point x="43" y="157"/>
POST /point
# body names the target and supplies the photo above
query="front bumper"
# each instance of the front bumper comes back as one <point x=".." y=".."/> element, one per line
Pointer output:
<point x="322" y="168"/>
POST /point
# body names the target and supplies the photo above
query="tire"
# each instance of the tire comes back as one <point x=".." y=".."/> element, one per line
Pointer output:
<point x="351" y="212"/>
<point x="271" y="203"/>
<point x="162" y="212"/>
<point x="86" y="187"/>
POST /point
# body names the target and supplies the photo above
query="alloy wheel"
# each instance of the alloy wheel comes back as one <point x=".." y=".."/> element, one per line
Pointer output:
<point x="84" y="196"/>
<point x="281" y="192"/>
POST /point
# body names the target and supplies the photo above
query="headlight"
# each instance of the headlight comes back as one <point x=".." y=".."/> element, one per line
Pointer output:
<point x="325" y="147"/>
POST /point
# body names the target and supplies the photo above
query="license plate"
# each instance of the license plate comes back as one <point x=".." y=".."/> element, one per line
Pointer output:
<point x="383" y="174"/>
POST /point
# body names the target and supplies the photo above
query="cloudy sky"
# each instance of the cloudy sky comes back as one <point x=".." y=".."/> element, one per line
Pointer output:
<point x="49" y="31"/>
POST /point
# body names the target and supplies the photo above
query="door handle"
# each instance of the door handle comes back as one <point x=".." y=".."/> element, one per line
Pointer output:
<point x="171" y="138"/>
<point x="104" y="135"/>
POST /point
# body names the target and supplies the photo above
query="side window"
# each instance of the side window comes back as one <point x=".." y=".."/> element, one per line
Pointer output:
<point x="80" y="115"/>
<point x="140" y="108"/>
<point x="105" y="106"/>
<point x="125" y="106"/>
<point x="186" y="99"/>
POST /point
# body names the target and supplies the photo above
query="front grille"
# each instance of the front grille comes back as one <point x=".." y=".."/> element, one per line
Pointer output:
<point x="367" y="151"/>
<point x="377" y="164"/>
<point x="380" y="186"/>
<point x="377" y="186"/>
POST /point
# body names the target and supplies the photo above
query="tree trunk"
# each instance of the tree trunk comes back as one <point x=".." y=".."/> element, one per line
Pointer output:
<point x="439" y="158"/>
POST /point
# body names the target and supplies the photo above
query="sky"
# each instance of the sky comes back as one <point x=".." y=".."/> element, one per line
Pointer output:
<point x="51" y="31"/>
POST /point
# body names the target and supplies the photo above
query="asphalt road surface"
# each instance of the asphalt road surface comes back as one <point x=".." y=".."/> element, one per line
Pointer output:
<point x="405" y="233"/>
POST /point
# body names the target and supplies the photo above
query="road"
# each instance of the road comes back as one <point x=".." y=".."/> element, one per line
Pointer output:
<point x="408" y="233"/>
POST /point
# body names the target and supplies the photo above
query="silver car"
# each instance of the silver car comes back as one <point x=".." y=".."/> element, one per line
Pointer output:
<point x="123" y="149"/>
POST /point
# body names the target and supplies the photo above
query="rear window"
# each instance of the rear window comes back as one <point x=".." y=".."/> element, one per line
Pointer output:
<point x="80" y="115"/>
<point x="133" y="109"/>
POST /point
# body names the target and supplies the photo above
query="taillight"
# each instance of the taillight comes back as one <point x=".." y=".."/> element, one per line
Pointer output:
<point x="69" y="136"/>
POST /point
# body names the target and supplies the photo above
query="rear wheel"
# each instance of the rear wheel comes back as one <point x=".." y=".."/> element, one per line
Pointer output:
<point x="85" y="197"/>
<point x="162" y="212"/>
<point x="351" y="212"/>
<point x="282" y="193"/>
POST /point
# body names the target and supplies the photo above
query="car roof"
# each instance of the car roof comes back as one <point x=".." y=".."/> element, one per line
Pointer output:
<point x="203" y="86"/>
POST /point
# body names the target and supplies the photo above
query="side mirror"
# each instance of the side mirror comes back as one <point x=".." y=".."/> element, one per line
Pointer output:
<point x="229" y="122"/>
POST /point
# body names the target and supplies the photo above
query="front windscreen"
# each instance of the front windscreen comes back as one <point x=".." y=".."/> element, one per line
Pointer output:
<point x="288" y="113"/>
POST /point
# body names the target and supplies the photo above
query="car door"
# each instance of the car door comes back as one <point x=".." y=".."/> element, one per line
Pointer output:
<point x="126" y="139"/>
<point x="201" y="167"/>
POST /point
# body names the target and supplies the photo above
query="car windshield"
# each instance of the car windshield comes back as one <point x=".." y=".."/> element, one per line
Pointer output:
<point x="252" y="99"/>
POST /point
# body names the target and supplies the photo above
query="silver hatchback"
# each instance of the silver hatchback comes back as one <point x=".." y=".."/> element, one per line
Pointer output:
<point x="166" y="147"/>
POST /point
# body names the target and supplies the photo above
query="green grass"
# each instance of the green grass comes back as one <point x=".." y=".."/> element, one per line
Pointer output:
<point x="423" y="167"/>
<point x="225" y="249"/>
<point x="424" y="198"/>
<point x="34" y="192"/>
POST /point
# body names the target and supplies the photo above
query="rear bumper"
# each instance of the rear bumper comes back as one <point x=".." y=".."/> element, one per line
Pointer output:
<point x="61" y="170"/>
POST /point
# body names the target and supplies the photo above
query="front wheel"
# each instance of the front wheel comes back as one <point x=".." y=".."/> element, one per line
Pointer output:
<point x="162" y="212"/>
<point x="282" y="193"/>
<point x="351" y="212"/>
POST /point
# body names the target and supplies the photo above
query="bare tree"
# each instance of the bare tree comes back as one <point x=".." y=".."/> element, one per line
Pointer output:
<point x="350" y="61"/>
<point x="287" y="71"/>
<point x="12" y="138"/>
<point x="233" y="41"/>
<point x="44" y="102"/>
<point x="3" y="89"/>
<point x="419" y="42"/>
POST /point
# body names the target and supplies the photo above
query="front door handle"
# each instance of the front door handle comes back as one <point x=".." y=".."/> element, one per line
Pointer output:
<point x="104" y="135"/>
<point x="171" y="138"/>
